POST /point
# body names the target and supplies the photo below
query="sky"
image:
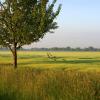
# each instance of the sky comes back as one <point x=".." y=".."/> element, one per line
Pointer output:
<point x="79" y="25"/>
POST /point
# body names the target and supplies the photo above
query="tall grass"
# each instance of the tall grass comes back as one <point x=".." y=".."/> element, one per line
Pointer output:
<point x="32" y="84"/>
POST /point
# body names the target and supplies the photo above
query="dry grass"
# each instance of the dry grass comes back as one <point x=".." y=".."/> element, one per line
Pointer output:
<point x="31" y="84"/>
<point x="74" y="76"/>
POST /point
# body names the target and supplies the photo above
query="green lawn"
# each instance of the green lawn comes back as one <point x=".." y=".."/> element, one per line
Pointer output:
<point x="71" y="76"/>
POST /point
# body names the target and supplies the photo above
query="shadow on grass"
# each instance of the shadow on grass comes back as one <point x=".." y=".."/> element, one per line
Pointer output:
<point x="6" y="96"/>
<point x="5" y="56"/>
<point x="27" y="57"/>
<point x="5" y="64"/>
<point x="86" y="58"/>
<point x="62" y="62"/>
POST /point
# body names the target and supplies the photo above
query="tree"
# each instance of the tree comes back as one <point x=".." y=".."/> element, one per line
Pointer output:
<point x="23" y="22"/>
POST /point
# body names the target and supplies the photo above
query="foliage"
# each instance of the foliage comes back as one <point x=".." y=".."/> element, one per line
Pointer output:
<point x="23" y="22"/>
<point x="26" y="21"/>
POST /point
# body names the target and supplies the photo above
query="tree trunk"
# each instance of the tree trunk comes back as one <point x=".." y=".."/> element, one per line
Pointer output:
<point x="15" y="57"/>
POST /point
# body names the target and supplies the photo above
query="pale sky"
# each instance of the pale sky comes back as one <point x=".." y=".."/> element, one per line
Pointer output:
<point x="79" y="25"/>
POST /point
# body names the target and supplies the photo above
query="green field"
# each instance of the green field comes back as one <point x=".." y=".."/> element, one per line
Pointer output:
<point x="63" y="76"/>
<point x="64" y="60"/>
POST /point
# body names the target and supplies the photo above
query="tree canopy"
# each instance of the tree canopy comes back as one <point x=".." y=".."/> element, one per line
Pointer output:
<point x="23" y="22"/>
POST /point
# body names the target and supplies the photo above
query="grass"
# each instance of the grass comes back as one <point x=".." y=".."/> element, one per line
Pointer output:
<point x="73" y="76"/>
<point x="65" y="60"/>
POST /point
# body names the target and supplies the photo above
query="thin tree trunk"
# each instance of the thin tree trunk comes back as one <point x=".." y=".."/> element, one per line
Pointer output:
<point x="15" y="56"/>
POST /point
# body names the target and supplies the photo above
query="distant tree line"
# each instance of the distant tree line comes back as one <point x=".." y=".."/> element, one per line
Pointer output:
<point x="57" y="49"/>
<point x="66" y="49"/>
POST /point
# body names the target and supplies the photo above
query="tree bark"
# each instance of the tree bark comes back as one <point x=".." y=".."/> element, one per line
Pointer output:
<point x="15" y="56"/>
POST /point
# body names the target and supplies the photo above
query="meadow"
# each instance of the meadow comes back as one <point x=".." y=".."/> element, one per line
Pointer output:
<point x="50" y="76"/>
